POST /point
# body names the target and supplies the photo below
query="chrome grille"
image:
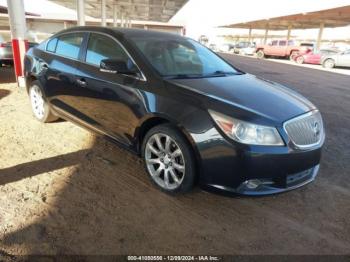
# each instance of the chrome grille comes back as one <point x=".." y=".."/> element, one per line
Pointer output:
<point x="305" y="130"/>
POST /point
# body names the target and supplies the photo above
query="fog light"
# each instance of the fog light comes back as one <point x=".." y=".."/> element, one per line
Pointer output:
<point x="253" y="183"/>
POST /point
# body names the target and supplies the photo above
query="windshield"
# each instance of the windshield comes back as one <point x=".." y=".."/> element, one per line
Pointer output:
<point x="179" y="57"/>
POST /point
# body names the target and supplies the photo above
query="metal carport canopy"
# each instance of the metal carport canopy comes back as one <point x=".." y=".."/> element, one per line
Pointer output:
<point x="335" y="17"/>
<point x="146" y="10"/>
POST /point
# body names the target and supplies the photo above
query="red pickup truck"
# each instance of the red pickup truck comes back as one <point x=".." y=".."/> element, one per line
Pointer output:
<point x="279" y="48"/>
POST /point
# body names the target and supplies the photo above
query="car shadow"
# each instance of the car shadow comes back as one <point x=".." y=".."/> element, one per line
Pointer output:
<point x="107" y="205"/>
<point x="4" y="93"/>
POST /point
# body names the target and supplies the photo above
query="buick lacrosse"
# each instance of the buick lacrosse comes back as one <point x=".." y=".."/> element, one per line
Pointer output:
<point x="192" y="117"/>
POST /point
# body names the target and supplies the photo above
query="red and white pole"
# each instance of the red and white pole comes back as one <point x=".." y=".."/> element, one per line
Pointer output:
<point x="18" y="35"/>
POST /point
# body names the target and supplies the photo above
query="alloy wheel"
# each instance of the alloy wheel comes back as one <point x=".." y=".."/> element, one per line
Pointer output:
<point x="37" y="101"/>
<point x="165" y="161"/>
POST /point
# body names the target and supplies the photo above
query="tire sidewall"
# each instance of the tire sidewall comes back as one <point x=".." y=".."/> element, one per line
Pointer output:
<point x="300" y="60"/>
<point x="190" y="173"/>
<point x="325" y="64"/>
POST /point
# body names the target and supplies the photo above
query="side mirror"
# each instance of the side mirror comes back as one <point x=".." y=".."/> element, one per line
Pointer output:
<point x="115" y="66"/>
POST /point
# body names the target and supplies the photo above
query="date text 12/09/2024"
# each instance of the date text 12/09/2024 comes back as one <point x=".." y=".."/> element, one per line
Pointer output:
<point x="173" y="258"/>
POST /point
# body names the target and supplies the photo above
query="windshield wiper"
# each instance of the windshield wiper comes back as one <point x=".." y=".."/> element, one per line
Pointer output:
<point x="184" y="76"/>
<point x="222" y="73"/>
<point x="217" y="73"/>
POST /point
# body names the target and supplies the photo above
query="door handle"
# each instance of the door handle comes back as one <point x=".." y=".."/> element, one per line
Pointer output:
<point x="82" y="82"/>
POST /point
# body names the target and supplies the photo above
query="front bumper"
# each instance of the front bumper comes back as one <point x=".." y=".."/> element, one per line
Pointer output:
<point x="259" y="187"/>
<point x="235" y="167"/>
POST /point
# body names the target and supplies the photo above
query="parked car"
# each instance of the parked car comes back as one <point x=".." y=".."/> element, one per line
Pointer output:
<point x="203" y="39"/>
<point x="213" y="47"/>
<point x="339" y="59"/>
<point x="226" y="47"/>
<point x="240" y="45"/>
<point x="6" y="55"/>
<point x="309" y="46"/>
<point x="188" y="113"/>
<point x="250" y="50"/>
<point x="278" y="48"/>
<point x="313" y="57"/>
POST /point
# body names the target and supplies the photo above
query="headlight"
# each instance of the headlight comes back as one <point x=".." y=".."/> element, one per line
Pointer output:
<point x="247" y="133"/>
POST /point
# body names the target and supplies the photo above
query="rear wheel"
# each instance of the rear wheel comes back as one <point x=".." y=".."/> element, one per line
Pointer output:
<point x="329" y="63"/>
<point x="293" y="55"/>
<point x="300" y="60"/>
<point x="260" y="54"/>
<point x="40" y="107"/>
<point x="169" y="159"/>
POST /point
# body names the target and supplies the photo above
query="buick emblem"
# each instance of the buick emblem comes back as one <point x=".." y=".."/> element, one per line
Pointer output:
<point x="316" y="129"/>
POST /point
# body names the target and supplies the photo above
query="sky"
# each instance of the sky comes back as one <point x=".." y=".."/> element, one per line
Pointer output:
<point x="203" y="16"/>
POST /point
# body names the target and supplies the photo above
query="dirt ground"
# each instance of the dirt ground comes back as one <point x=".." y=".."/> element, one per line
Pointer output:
<point x="64" y="190"/>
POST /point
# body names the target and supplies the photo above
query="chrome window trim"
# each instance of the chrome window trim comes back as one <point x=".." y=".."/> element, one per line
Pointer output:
<point x="301" y="117"/>
<point x="142" y="78"/>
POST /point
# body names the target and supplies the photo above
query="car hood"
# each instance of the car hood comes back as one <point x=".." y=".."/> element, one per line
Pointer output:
<point x="247" y="92"/>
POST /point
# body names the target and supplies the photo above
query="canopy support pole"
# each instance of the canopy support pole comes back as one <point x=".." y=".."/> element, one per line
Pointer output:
<point x="319" y="37"/>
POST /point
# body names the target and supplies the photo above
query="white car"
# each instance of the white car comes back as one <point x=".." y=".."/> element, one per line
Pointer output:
<point x="250" y="50"/>
<point x="339" y="59"/>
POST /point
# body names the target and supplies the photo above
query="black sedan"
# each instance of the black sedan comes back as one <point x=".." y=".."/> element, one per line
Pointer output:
<point x="192" y="116"/>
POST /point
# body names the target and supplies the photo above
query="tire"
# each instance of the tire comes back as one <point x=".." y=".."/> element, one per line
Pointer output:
<point x="292" y="55"/>
<point x="159" y="161"/>
<point x="40" y="107"/>
<point x="300" y="60"/>
<point x="260" y="54"/>
<point x="329" y="63"/>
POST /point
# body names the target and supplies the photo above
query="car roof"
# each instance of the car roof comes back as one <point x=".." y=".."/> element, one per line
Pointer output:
<point x="122" y="32"/>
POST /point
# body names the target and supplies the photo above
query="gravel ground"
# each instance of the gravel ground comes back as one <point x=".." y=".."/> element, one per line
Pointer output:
<point x="64" y="190"/>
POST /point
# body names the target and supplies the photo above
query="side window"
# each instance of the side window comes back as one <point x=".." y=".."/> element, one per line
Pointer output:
<point x="283" y="43"/>
<point x="274" y="43"/>
<point x="69" y="45"/>
<point x="51" y="45"/>
<point x="103" y="47"/>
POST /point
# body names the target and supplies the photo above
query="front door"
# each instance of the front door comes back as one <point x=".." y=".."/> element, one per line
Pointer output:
<point x="344" y="59"/>
<point x="112" y="102"/>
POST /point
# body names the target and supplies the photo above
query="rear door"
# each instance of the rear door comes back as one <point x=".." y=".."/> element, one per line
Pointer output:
<point x="112" y="103"/>
<point x="61" y="61"/>
<point x="281" y="49"/>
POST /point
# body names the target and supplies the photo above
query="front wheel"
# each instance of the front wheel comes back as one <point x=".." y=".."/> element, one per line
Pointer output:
<point x="329" y="63"/>
<point x="40" y="107"/>
<point x="169" y="159"/>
